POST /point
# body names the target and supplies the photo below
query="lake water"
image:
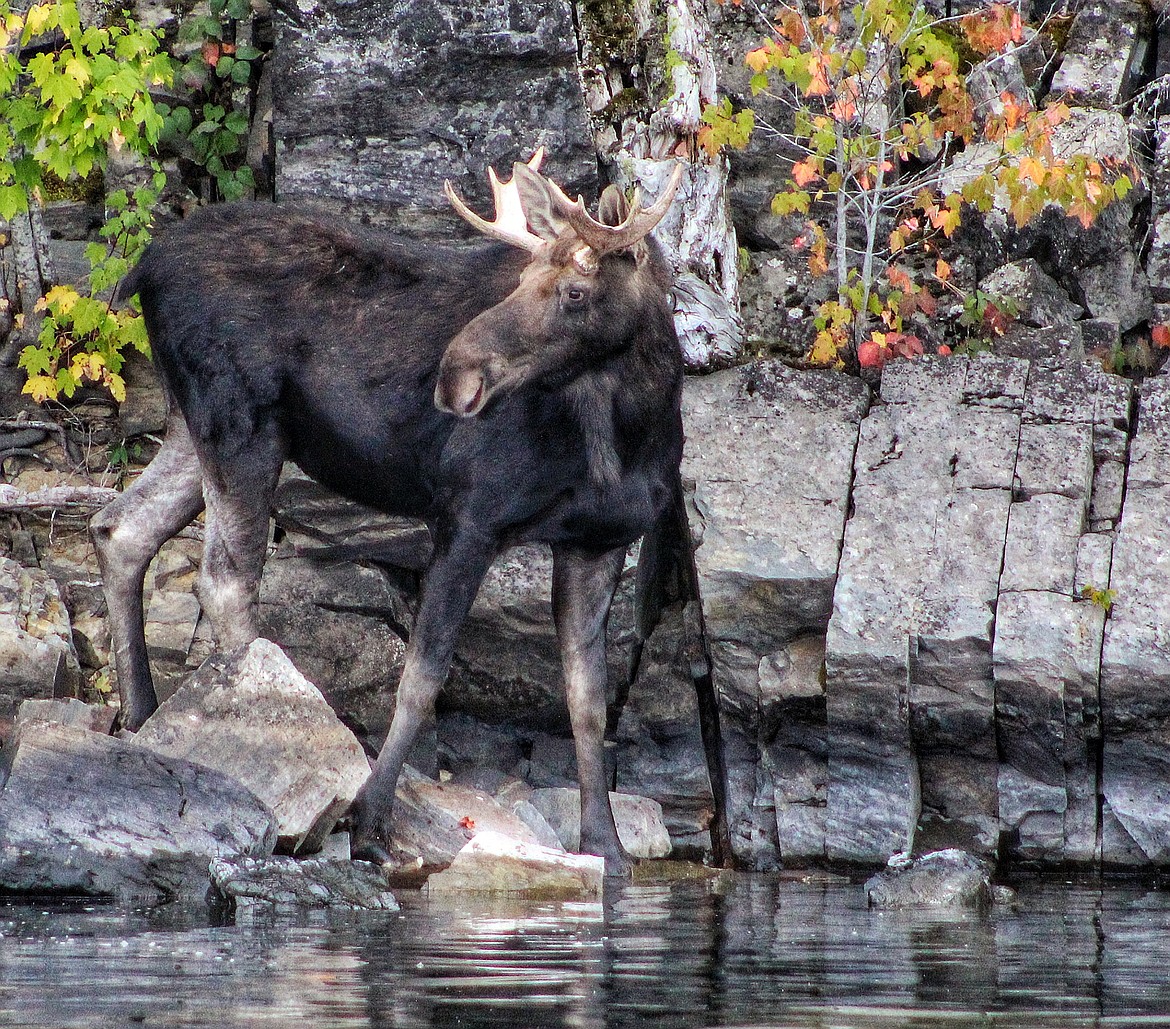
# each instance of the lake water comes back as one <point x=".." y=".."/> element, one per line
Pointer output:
<point x="736" y="950"/>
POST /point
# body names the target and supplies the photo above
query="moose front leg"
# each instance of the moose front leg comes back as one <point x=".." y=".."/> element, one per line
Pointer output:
<point x="448" y="591"/>
<point x="583" y="588"/>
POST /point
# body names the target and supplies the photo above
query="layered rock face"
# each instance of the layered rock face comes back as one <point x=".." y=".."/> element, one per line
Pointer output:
<point x="935" y="611"/>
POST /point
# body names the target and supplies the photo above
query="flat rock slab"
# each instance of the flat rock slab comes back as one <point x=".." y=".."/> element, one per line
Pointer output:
<point x="433" y="821"/>
<point x="308" y="882"/>
<point x="640" y="825"/>
<point x="769" y="447"/>
<point x="75" y="713"/>
<point x="251" y="715"/>
<point x="943" y="879"/>
<point x="494" y="863"/>
<point x="86" y="813"/>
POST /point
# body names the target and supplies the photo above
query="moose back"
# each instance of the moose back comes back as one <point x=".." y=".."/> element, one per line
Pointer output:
<point x="526" y="392"/>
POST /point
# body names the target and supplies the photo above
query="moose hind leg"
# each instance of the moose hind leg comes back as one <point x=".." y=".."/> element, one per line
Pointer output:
<point x="127" y="534"/>
<point x="238" y="497"/>
<point x="583" y="588"/>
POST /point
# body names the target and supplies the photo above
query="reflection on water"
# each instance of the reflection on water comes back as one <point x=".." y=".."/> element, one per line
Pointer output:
<point x="734" y="951"/>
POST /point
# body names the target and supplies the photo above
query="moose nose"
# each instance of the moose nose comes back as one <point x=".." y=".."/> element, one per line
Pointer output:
<point x="461" y="391"/>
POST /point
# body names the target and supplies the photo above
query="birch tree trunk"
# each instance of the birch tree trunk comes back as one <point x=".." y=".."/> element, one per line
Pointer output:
<point x="646" y="81"/>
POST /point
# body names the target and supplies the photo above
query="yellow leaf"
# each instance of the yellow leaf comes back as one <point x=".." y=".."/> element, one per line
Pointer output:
<point x="60" y="298"/>
<point x="757" y="59"/>
<point x="825" y="349"/>
<point x="39" y="18"/>
<point x="41" y="388"/>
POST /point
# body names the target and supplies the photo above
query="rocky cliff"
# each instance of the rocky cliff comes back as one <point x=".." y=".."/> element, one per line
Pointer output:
<point x="935" y="608"/>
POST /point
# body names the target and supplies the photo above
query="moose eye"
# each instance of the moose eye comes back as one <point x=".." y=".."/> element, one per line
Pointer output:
<point x="575" y="295"/>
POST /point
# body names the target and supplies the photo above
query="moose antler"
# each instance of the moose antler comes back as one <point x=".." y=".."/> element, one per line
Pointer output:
<point x="605" y="239"/>
<point x="509" y="225"/>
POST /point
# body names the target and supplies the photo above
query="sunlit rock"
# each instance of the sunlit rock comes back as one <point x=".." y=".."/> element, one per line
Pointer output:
<point x="494" y="863"/>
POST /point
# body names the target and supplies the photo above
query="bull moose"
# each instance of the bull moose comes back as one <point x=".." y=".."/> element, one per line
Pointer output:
<point x="526" y="392"/>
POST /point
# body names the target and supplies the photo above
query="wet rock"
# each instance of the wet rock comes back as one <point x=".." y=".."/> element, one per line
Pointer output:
<point x="639" y="821"/>
<point x="305" y="882"/>
<point x="910" y="694"/>
<point x="943" y="879"/>
<point x="251" y="715"/>
<point x="659" y="743"/>
<point x="495" y="863"/>
<point x="794" y="738"/>
<point x="37" y="658"/>
<point x="82" y="812"/>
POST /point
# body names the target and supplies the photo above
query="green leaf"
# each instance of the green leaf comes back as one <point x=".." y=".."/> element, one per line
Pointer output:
<point x="236" y="122"/>
<point x="241" y="73"/>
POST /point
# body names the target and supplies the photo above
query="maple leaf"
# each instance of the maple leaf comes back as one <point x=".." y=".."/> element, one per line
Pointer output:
<point x="1032" y="169"/>
<point x="826" y="349"/>
<point x="991" y="30"/>
<point x="806" y="171"/>
<point x="467" y="822"/>
<point x="873" y="353"/>
<point x="1160" y="334"/>
<point x="818" y="77"/>
<point x="942" y="270"/>
<point x="758" y="59"/>
<point x="790" y="26"/>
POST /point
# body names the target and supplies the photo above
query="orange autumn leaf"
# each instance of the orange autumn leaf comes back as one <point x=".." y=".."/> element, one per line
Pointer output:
<point x="806" y="171"/>
<point x="758" y="59"/>
<point x="1160" y="334"/>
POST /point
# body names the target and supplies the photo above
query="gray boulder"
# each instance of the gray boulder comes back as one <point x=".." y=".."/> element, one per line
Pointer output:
<point x="495" y="863"/>
<point x="82" y="812"/>
<point x="639" y="820"/>
<point x="433" y="821"/>
<point x="252" y="716"/>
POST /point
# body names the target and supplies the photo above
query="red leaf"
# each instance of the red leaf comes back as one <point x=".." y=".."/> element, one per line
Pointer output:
<point x="1160" y="334"/>
<point x="467" y="822"/>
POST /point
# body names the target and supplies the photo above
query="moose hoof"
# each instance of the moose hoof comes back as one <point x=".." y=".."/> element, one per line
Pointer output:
<point x="368" y="849"/>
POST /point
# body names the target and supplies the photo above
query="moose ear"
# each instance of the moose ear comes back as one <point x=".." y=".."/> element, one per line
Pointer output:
<point x="538" y="203"/>
<point x="612" y="208"/>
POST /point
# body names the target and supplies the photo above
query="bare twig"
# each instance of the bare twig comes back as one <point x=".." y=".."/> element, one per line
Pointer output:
<point x="56" y="498"/>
